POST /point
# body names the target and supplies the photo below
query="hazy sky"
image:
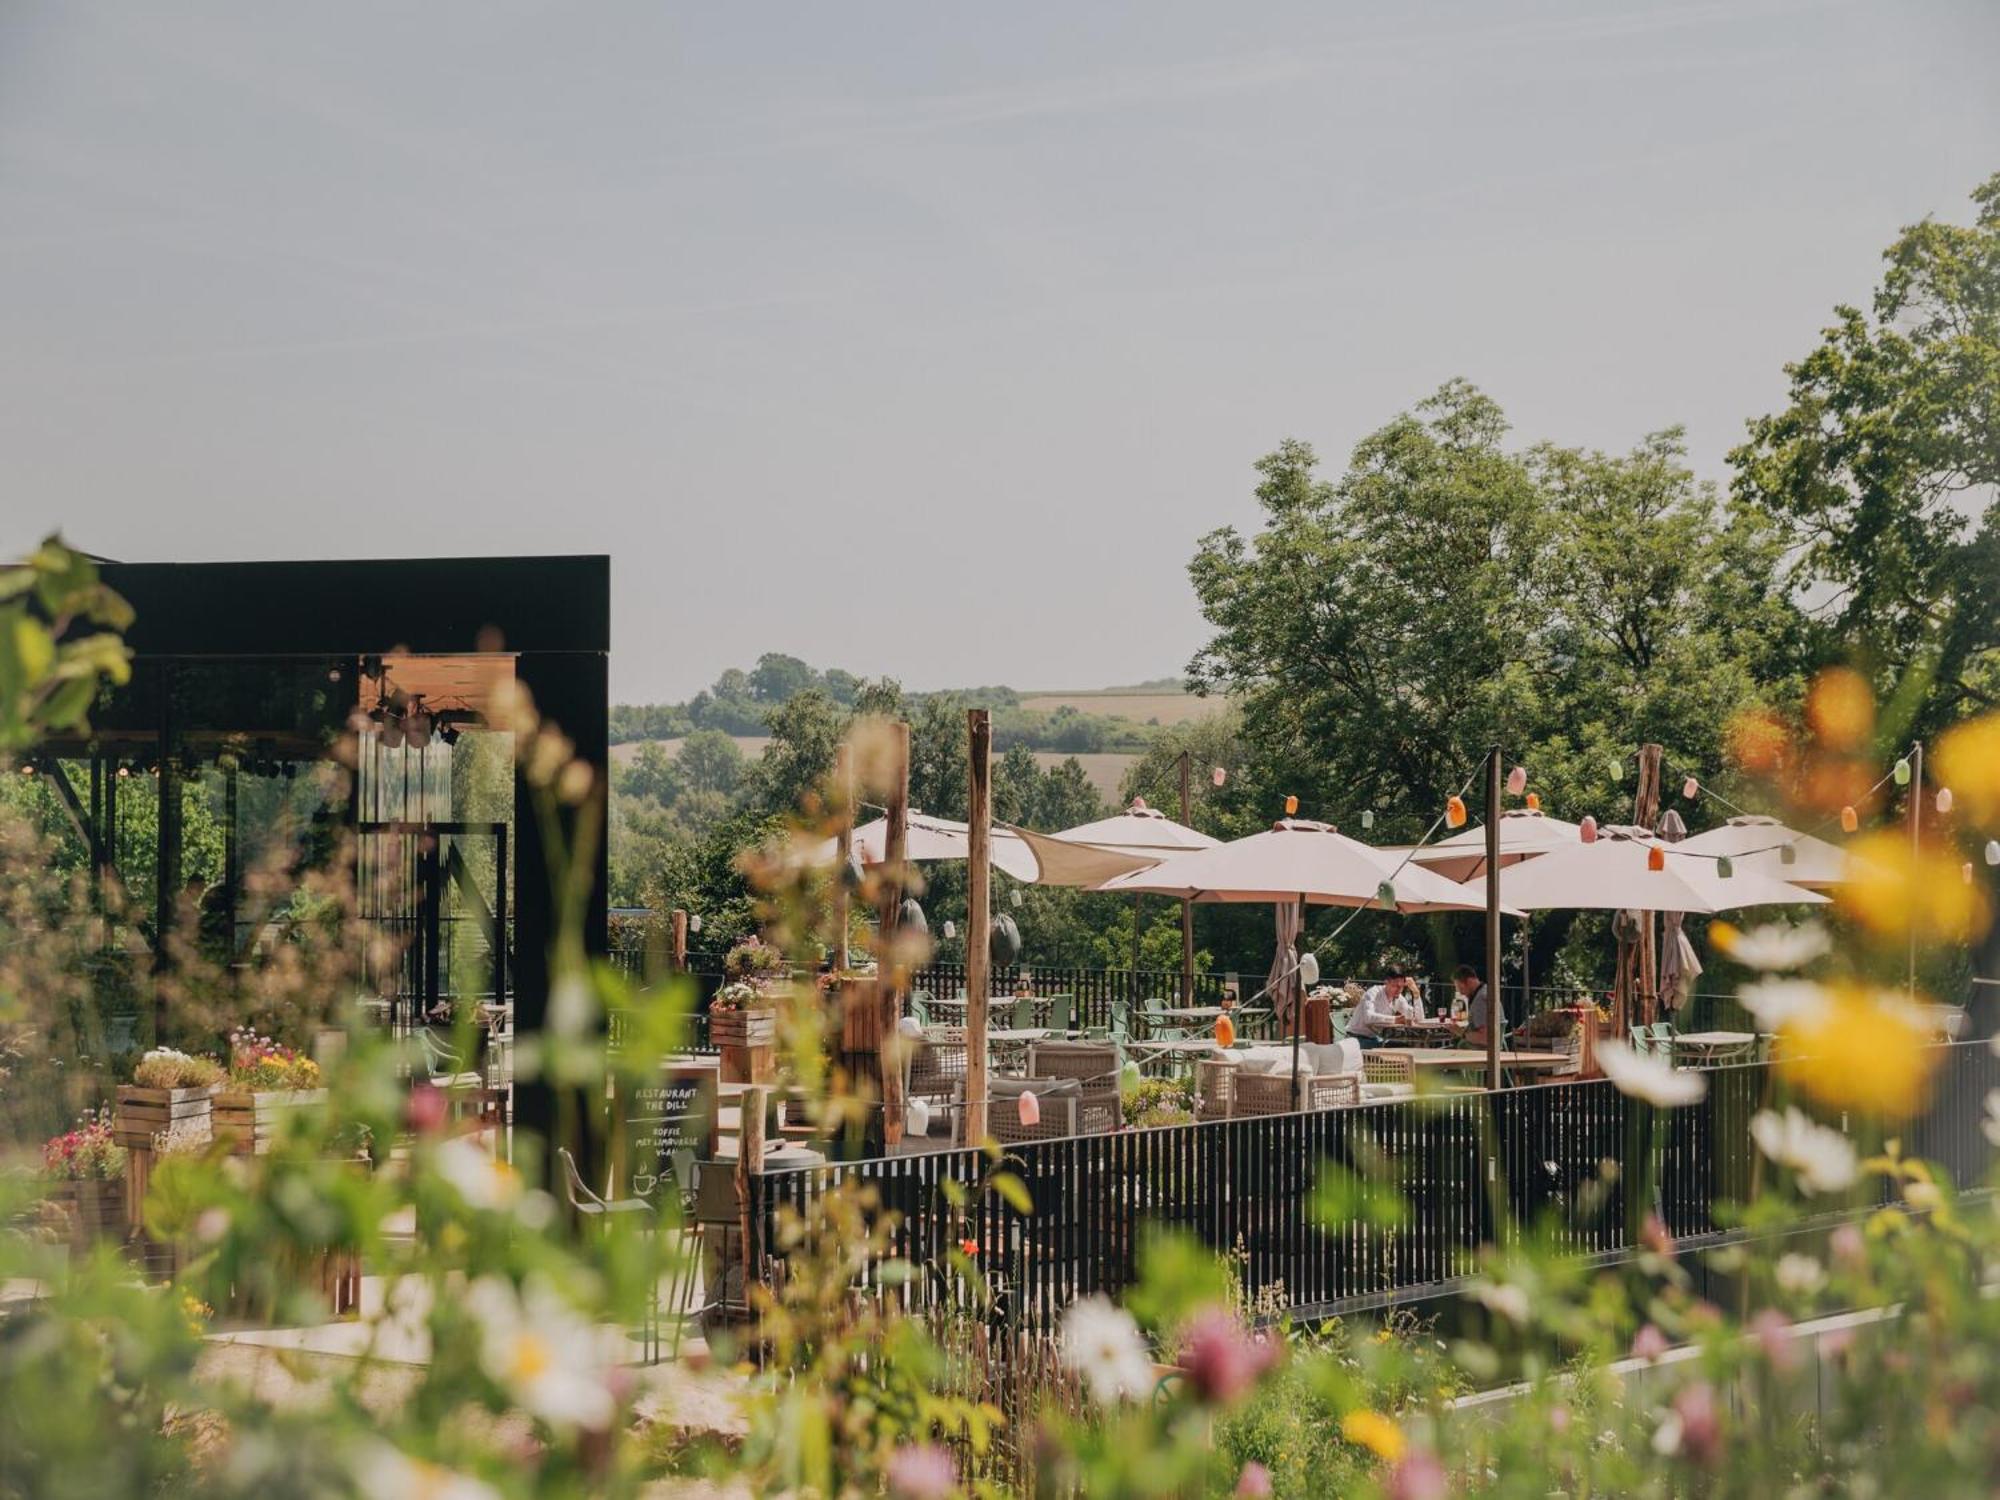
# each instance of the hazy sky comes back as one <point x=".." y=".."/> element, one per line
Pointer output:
<point x="922" y="339"/>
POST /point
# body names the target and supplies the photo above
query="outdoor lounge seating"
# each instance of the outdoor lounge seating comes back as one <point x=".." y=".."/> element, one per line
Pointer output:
<point x="1259" y="1080"/>
<point x="1063" y="1106"/>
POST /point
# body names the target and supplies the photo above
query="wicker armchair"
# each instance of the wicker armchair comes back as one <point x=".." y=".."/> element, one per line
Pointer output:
<point x="1065" y="1110"/>
<point x="1271" y="1093"/>
<point x="1214" y="1089"/>
<point x="937" y="1073"/>
<point x="1388" y="1067"/>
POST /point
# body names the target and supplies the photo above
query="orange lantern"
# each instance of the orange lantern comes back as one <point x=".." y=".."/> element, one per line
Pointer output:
<point x="1225" y="1032"/>
<point x="1587" y="829"/>
<point x="1656" y="858"/>
<point x="1454" y="812"/>
<point x="1534" y="802"/>
<point x="1291" y="806"/>
<point x="1849" y="820"/>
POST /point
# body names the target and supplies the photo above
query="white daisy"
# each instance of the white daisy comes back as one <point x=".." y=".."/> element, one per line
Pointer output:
<point x="1505" y="1299"/>
<point x="1652" y="1079"/>
<point x="1777" y="1002"/>
<point x="383" y="1472"/>
<point x="1799" y="1275"/>
<point x="1822" y="1159"/>
<point x="478" y="1176"/>
<point x="1776" y="947"/>
<point x="533" y="1344"/>
<point x="1103" y="1345"/>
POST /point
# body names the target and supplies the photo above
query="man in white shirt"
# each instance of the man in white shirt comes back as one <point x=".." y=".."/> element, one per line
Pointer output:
<point x="1383" y="1006"/>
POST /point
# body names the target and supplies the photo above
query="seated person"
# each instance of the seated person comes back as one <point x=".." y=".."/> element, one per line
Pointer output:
<point x="1382" y="1007"/>
<point x="1478" y="1001"/>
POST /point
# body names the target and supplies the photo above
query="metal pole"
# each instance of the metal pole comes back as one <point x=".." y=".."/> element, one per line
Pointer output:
<point x="1187" y="905"/>
<point x="843" y="780"/>
<point x="1299" y="1002"/>
<point x="1493" y="990"/>
<point x="978" y="915"/>
<point x="1916" y="843"/>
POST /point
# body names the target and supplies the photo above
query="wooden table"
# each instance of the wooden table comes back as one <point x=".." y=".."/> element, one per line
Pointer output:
<point x="1710" y="1047"/>
<point x="1473" y="1059"/>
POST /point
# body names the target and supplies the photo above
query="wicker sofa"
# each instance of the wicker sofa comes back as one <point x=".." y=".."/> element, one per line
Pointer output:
<point x="1075" y="1083"/>
<point x="1259" y="1081"/>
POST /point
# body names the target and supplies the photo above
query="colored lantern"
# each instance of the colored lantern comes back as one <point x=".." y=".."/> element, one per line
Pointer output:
<point x="1367" y="817"/>
<point x="1690" y="789"/>
<point x="1965" y="872"/>
<point x="950" y="930"/>
<point x="1788" y="854"/>
<point x="1587" y="829"/>
<point x="1029" y="1107"/>
<point x="1003" y="941"/>
<point x="1724" y="867"/>
<point x="1993" y="851"/>
<point x="1225" y="1032"/>
<point x="694" y="921"/>
<point x="1386" y="894"/>
<point x="1128" y="1078"/>
<point x="1656" y="858"/>
<point x="1534" y="802"/>
<point x="1849" y="820"/>
<point x="1617" y="767"/>
<point x="1218" y="776"/>
<point x="1138" y="804"/>
<point x="1944" y="799"/>
<point x="1291" y="805"/>
<point x="1517" y="781"/>
<point x="1454" y="812"/>
<point x="1902" y="771"/>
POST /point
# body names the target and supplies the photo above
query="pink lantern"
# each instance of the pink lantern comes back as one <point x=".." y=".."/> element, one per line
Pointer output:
<point x="1944" y="799"/>
<point x="1218" y="776"/>
<point x="1517" y="781"/>
<point x="1587" y="829"/>
<point x="1029" y="1107"/>
<point x="1138" y="804"/>
<point x="1690" y="788"/>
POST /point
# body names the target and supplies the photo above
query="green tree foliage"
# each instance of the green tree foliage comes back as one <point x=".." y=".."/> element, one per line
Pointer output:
<point x="1885" y="463"/>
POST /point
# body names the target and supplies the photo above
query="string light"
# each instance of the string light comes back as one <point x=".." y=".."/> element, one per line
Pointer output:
<point x="1849" y="820"/>
<point x="1944" y="799"/>
<point x="1218" y="776"/>
<point x="1534" y="802"/>
<point x="1902" y="771"/>
<point x="1587" y="829"/>
<point x="1225" y="1032"/>
<point x="1724" y="867"/>
<point x="1993" y="851"/>
<point x="1367" y="817"/>
<point x="1386" y="894"/>
<point x="1291" y="805"/>
<point x="1029" y="1108"/>
<point x="1517" y="781"/>
<point x="1616" y="765"/>
<point x="1965" y="871"/>
<point x="1656" y="858"/>
<point x="1690" y="789"/>
<point x="1454" y="812"/>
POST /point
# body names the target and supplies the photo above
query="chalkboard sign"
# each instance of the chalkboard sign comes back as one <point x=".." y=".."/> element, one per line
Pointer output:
<point x="668" y="1127"/>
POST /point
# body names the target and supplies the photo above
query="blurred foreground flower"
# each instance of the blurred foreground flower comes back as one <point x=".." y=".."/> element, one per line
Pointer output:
<point x="1103" y="1345"/>
<point x="1968" y="761"/>
<point x="1652" y="1079"/>
<point x="1822" y="1160"/>
<point x="1864" y="1050"/>
<point x="1420" y="1476"/>
<point x="1895" y="892"/>
<point x="382" y="1472"/>
<point x="536" y="1348"/>
<point x="1371" y="1430"/>
<point x="1800" y="1275"/>
<point x="923" y="1471"/>
<point x="1772" y="946"/>
<point x="1223" y="1359"/>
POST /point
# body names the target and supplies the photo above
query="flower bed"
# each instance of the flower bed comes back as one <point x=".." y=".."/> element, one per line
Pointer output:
<point x="87" y="1168"/>
<point x="266" y="1079"/>
<point x="170" y="1092"/>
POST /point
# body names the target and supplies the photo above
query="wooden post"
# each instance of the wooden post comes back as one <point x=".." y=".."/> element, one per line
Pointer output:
<point x="892" y="972"/>
<point x="1916" y="842"/>
<point x="843" y="781"/>
<point x="1646" y="813"/>
<point x="978" y="915"/>
<point x="1187" y="906"/>
<point x="680" y="939"/>
<point x="749" y="1163"/>
<point x="1494" y="993"/>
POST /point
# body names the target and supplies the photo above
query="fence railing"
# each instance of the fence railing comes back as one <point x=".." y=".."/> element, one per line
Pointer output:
<point x="1473" y="1169"/>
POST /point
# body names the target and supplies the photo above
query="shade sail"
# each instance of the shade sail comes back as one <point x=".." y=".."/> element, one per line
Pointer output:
<point x="1613" y="875"/>
<point x="1524" y="833"/>
<point x="932" y="839"/>
<point x="1092" y="853"/>
<point x="1297" y="858"/>
<point x="1755" y="844"/>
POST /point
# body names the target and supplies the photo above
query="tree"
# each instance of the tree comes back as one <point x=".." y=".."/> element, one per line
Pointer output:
<point x="1886" y="465"/>
<point x="778" y="677"/>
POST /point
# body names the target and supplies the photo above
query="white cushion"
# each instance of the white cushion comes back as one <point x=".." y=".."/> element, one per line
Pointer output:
<point x="1263" y="1059"/>
<point x="1324" y="1058"/>
<point x="1388" y="1091"/>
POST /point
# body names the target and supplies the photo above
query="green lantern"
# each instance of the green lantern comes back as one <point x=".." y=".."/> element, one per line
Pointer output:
<point x="1386" y="894"/>
<point x="1725" y="867"/>
<point x="1367" y="817"/>
<point x="1616" y="766"/>
<point x="1902" y="771"/>
<point x="1788" y="854"/>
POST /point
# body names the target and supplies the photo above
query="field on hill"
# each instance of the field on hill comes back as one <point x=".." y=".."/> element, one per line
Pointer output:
<point x="1140" y="708"/>
<point x="1105" y="770"/>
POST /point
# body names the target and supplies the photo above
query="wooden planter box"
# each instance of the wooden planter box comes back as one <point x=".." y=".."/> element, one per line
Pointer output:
<point x="92" y="1209"/>
<point x="250" y="1119"/>
<point x="748" y="1041"/>
<point x="143" y="1113"/>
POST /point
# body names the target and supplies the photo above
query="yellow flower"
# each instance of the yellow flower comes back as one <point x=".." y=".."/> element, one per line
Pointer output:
<point x="1865" y="1051"/>
<point x="1840" y="706"/>
<point x="1893" y="891"/>
<point x="1968" y="761"/>
<point x="1375" y="1432"/>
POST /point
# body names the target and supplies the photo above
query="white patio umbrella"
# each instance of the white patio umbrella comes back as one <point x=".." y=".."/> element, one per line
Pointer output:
<point x="1524" y="833"/>
<point x="932" y="839"/>
<point x="1092" y="853"/>
<point x="1756" y="844"/>
<point x="1614" y="874"/>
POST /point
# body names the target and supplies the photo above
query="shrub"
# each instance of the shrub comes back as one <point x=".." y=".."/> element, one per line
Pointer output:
<point x="164" y="1068"/>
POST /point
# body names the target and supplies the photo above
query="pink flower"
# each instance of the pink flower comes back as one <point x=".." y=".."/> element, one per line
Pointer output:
<point x="1420" y="1476"/>
<point x="1835" y="1342"/>
<point x="427" y="1109"/>
<point x="1559" y="1420"/>
<point x="1222" y="1359"/>
<point x="1849" y="1247"/>
<point x="1774" y="1337"/>
<point x="1701" y="1423"/>
<point x="1254" y="1481"/>
<point x="1649" y="1344"/>
<point x="922" y="1472"/>
<point x="1654" y="1236"/>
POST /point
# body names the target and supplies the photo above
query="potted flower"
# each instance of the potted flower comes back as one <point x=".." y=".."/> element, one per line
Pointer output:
<point x="266" y="1078"/>
<point x="170" y="1090"/>
<point x="743" y="1016"/>
<point x="86" y="1169"/>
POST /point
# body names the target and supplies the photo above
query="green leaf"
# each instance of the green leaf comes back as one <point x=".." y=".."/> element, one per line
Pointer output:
<point x="1015" y="1191"/>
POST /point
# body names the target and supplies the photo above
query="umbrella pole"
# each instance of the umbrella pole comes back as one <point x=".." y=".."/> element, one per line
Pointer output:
<point x="978" y="917"/>
<point x="1187" y="906"/>
<point x="1494" y="1008"/>
<point x="1136" y="899"/>
<point x="1299" y="999"/>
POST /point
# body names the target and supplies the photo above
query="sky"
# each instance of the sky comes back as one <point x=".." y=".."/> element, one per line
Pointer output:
<point x="913" y="339"/>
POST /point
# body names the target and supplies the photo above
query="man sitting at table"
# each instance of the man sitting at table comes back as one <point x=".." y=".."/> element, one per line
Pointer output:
<point x="1382" y="1007"/>
<point x="1466" y="981"/>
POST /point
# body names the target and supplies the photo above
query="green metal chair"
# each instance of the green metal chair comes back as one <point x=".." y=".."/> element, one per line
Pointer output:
<point x="1023" y="1017"/>
<point x="1642" y="1040"/>
<point x="919" y="1011"/>
<point x="1060" y="1007"/>
<point x="1121" y="1022"/>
